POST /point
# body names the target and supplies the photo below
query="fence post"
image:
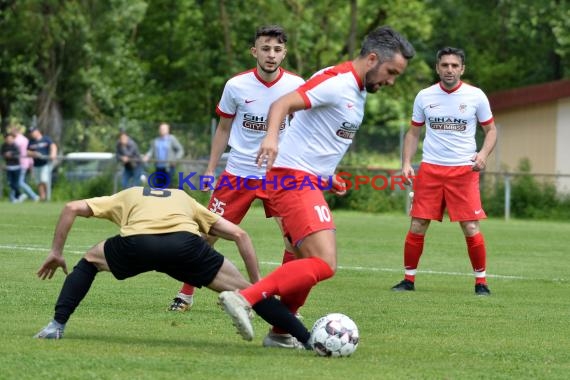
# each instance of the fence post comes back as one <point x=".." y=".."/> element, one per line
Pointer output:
<point x="507" y="197"/>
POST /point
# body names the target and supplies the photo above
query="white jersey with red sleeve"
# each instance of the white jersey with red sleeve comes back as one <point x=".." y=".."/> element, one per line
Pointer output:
<point x="246" y="98"/>
<point x="320" y="134"/>
<point x="451" y="118"/>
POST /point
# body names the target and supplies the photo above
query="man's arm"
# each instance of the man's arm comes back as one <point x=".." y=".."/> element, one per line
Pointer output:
<point x="411" y="141"/>
<point x="53" y="152"/>
<point x="230" y="231"/>
<point x="287" y="104"/>
<point x="177" y="147"/>
<point x="55" y="258"/>
<point x="219" y="145"/>
<point x="150" y="152"/>
<point x="480" y="159"/>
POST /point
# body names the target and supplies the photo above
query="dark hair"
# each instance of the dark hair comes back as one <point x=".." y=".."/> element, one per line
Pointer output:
<point x="451" y="51"/>
<point x="386" y="42"/>
<point x="275" y="31"/>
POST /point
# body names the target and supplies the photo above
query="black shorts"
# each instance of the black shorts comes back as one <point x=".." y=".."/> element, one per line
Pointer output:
<point x="181" y="255"/>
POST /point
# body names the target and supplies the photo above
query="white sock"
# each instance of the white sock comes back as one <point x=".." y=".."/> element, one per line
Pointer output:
<point x="189" y="299"/>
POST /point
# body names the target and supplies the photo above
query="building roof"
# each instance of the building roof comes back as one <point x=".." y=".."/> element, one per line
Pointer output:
<point x="524" y="96"/>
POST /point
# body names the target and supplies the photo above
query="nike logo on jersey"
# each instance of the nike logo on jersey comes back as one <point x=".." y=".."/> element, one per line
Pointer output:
<point x="477" y="212"/>
<point x="433" y="105"/>
<point x="349" y="105"/>
<point x="247" y="101"/>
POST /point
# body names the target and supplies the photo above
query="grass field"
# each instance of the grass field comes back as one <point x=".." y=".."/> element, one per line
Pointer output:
<point x="441" y="331"/>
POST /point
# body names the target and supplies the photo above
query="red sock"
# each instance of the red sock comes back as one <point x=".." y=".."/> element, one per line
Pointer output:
<point x="478" y="256"/>
<point x="293" y="301"/>
<point x="288" y="256"/>
<point x="413" y="249"/>
<point x="187" y="289"/>
<point x="295" y="276"/>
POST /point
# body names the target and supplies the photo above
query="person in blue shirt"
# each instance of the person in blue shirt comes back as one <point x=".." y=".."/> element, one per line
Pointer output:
<point x="164" y="150"/>
<point x="44" y="152"/>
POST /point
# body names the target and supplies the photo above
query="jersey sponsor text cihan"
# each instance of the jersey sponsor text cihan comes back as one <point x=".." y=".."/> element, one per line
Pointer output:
<point x="246" y="98"/>
<point x="451" y="118"/>
<point x="316" y="141"/>
<point x="135" y="211"/>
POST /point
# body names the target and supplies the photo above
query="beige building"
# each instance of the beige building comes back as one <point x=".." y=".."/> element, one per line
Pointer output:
<point x="534" y="122"/>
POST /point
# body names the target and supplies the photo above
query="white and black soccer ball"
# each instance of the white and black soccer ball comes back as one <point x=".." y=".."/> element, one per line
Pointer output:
<point x="334" y="334"/>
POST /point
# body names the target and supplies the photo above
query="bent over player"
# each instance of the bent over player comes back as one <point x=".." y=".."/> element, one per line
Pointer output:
<point x="159" y="231"/>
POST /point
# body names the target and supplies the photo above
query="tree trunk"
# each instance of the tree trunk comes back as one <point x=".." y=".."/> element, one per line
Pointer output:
<point x="225" y="21"/>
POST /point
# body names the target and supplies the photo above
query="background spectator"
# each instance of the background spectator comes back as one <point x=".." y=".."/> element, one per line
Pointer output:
<point x="128" y="155"/>
<point x="165" y="150"/>
<point x="44" y="152"/>
<point x="26" y="163"/>
<point x="11" y="155"/>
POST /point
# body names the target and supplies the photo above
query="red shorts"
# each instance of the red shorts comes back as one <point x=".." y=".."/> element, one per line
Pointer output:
<point x="299" y="201"/>
<point x="438" y="187"/>
<point x="233" y="195"/>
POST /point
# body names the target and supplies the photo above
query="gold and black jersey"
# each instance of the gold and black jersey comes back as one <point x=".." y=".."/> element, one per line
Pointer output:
<point x="141" y="210"/>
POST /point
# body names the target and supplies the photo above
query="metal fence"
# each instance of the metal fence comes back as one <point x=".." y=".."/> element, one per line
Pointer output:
<point x="78" y="168"/>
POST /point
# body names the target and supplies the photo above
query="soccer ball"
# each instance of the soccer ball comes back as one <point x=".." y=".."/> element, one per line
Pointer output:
<point x="334" y="335"/>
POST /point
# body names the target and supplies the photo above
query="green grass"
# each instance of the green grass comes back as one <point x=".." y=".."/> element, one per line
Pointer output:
<point x="441" y="331"/>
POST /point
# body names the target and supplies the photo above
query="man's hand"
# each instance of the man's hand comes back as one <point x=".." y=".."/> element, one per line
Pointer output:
<point x="267" y="153"/>
<point x="338" y="186"/>
<point x="408" y="173"/>
<point x="50" y="265"/>
<point x="208" y="184"/>
<point x="479" y="162"/>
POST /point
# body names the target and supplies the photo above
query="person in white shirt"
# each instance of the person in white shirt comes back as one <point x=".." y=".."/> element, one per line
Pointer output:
<point x="329" y="109"/>
<point x="243" y="110"/>
<point x="448" y="177"/>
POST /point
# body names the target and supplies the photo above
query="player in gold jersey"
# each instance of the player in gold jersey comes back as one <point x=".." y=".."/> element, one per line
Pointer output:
<point x="160" y="230"/>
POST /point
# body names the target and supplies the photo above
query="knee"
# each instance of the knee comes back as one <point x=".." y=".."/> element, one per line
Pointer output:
<point x="419" y="226"/>
<point x="470" y="228"/>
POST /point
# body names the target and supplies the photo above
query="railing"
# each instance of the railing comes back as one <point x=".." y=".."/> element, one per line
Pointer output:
<point x="98" y="164"/>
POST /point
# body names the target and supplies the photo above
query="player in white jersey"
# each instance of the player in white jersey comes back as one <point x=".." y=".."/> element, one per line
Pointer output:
<point x="330" y="109"/>
<point x="449" y="173"/>
<point x="243" y="111"/>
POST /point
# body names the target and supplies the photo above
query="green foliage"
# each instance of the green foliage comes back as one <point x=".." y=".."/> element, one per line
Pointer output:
<point x="147" y="61"/>
<point x="65" y="190"/>
<point x="530" y="198"/>
<point x="369" y="191"/>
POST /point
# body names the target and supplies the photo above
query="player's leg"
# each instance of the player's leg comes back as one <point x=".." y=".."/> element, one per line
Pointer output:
<point x="464" y="206"/>
<point x="477" y="255"/>
<point x="295" y="276"/>
<point x="228" y="278"/>
<point x="428" y="204"/>
<point x="75" y="287"/>
<point x="413" y="249"/>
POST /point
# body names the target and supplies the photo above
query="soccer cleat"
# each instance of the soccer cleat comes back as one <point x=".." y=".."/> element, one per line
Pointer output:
<point x="482" y="290"/>
<point x="239" y="310"/>
<point x="404" y="286"/>
<point x="273" y="339"/>
<point x="178" y="304"/>
<point x="53" y="330"/>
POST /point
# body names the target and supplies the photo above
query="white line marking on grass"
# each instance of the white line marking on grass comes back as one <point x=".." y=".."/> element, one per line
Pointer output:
<point x="38" y="248"/>
<point x="342" y="267"/>
<point x="373" y="269"/>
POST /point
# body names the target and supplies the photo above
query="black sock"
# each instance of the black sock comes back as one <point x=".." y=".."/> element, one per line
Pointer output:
<point x="277" y="314"/>
<point x="74" y="289"/>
